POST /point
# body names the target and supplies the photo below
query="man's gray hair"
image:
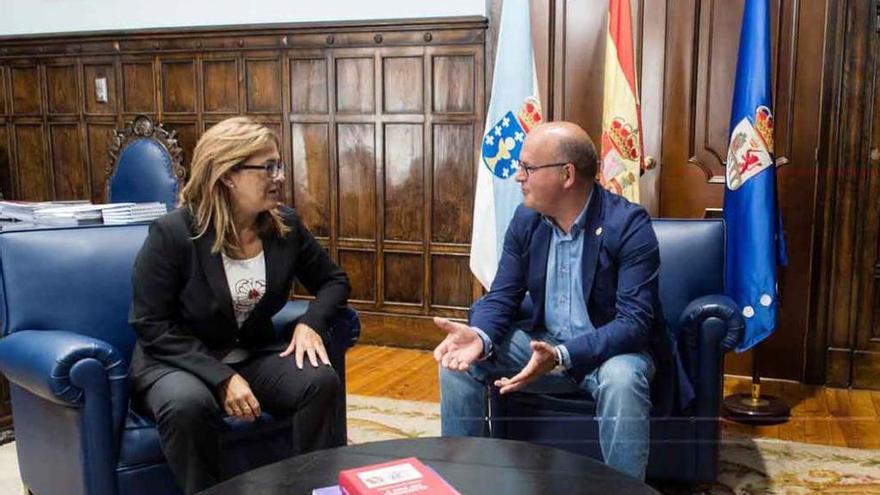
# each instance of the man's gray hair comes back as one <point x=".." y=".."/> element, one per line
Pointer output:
<point x="580" y="151"/>
<point x="578" y="148"/>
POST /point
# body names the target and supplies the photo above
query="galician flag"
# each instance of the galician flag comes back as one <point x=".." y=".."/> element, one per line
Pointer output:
<point x="513" y="111"/>
<point x="622" y="150"/>
<point x="755" y="245"/>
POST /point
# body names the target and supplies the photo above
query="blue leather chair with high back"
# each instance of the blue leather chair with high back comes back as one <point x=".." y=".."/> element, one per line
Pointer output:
<point x="64" y="300"/>
<point x="147" y="164"/>
<point x="704" y="325"/>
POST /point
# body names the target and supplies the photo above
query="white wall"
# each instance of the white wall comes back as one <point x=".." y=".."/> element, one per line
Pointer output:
<point x="50" y="16"/>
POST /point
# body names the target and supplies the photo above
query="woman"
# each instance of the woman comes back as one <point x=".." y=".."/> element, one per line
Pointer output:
<point x="205" y="285"/>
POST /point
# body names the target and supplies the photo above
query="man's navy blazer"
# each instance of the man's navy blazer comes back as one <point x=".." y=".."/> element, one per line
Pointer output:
<point x="620" y="271"/>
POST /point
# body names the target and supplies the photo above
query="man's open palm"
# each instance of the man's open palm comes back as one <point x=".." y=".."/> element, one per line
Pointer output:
<point x="461" y="347"/>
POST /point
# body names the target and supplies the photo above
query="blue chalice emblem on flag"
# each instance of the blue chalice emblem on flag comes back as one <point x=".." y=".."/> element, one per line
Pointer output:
<point x="503" y="142"/>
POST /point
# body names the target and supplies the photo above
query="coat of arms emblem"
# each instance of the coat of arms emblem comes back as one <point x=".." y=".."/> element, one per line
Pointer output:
<point x="751" y="148"/>
<point x="503" y="142"/>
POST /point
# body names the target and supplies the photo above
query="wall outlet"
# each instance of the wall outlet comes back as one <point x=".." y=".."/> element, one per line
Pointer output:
<point x="101" y="89"/>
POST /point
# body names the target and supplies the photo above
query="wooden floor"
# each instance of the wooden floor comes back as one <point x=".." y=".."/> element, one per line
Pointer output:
<point x="820" y="415"/>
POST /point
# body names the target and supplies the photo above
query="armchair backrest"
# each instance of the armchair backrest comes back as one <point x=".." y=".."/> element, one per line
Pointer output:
<point x="76" y="279"/>
<point x="691" y="263"/>
<point x="147" y="164"/>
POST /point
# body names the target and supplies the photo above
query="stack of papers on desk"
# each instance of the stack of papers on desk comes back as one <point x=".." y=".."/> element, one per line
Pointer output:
<point x="132" y="212"/>
<point x="49" y="212"/>
<point x="69" y="215"/>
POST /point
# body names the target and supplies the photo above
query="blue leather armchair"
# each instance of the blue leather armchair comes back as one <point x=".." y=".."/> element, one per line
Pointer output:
<point x="147" y="164"/>
<point x="704" y="324"/>
<point x="64" y="300"/>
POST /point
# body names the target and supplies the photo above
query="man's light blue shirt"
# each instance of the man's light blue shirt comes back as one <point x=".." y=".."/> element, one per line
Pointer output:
<point x="565" y="311"/>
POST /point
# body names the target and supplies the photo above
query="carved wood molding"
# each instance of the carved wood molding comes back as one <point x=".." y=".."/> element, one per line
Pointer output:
<point x="402" y="32"/>
<point x="143" y="127"/>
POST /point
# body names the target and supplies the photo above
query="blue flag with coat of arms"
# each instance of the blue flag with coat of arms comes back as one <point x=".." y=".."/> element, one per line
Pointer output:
<point x="514" y="110"/>
<point x="755" y="244"/>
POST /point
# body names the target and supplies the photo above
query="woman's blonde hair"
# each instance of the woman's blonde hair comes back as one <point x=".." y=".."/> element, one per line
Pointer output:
<point x="221" y="148"/>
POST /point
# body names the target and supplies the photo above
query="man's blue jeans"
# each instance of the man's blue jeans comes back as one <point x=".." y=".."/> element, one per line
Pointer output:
<point x="621" y="387"/>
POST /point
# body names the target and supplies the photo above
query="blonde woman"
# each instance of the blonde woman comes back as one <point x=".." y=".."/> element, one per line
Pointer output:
<point x="205" y="285"/>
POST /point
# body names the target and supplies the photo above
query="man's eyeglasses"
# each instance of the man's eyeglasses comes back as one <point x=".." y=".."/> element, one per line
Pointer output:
<point x="272" y="169"/>
<point x="531" y="168"/>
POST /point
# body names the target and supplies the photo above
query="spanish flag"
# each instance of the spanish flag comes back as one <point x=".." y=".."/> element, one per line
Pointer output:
<point x="622" y="150"/>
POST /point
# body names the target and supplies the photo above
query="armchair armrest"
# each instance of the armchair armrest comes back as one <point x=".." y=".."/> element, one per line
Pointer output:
<point x="726" y="336"/>
<point x="88" y="379"/>
<point x="709" y="327"/>
<point x="45" y="363"/>
<point x="345" y="320"/>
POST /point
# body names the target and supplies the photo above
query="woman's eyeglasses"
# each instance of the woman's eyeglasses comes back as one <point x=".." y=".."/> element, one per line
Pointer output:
<point x="272" y="169"/>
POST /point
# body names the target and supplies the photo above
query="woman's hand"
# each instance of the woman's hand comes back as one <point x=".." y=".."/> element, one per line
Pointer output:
<point x="238" y="399"/>
<point x="306" y="341"/>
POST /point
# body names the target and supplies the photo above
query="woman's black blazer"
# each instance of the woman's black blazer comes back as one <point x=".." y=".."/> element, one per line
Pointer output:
<point x="182" y="309"/>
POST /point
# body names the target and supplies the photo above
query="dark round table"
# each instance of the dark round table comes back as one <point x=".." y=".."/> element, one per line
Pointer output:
<point x="477" y="466"/>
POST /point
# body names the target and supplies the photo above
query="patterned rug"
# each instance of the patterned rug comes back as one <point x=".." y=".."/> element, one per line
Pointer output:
<point x="747" y="466"/>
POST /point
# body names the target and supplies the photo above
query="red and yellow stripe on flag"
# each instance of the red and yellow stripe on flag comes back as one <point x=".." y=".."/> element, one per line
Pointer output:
<point x="622" y="150"/>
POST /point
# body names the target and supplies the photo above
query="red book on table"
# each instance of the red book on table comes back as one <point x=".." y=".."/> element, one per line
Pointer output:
<point x="401" y="477"/>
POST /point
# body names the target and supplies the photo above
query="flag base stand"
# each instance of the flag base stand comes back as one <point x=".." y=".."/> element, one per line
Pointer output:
<point x="754" y="408"/>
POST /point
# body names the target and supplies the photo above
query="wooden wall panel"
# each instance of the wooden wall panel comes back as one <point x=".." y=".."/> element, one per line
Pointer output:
<point x="138" y="87"/>
<point x="275" y="127"/>
<point x="187" y="136"/>
<point x="26" y="93"/>
<point x="677" y="175"/>
<point x="263" y="85"/>
<point x="311" y="175"/>
<point x="7" y="180"/>
<point x="454" y="84"/>
<point x="453" y="183"/>
<point x="355" y="114"/>
<point x="361" y="269"/>
<point x="357" y="181"/>
<point x="92" y="71"/>
<point x="866" y="356"/>
<point x="220" y="86"/>
<point x="355" y="85"/>
<point x="68" y="163"/>
<point x="99" y="136"/>
<point x="718" y="38"/>
<point x="61" y="89"/>
<point x="287" y="186"/>
<point x="404" y="180"/>
<point x="451" y="281"/>
<point x="178" y="86"/>
<point x="3" y="72"/>
<point x="580" y="68"/>
<point x="799" y="84"/>
<point x="651" y="58"/>
<point x="843" y="346"/>
<point x="403" y="84"/>
<point x="309" y="85"/>
<point x="403" y="278"/>
<point x="35" y="176"/>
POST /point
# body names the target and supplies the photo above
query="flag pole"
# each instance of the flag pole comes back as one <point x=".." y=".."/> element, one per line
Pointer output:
<point x="754" y="408"/>
<point x="755" y="241"/>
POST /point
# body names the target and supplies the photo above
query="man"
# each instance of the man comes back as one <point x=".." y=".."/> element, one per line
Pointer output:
<point x="589" y="260"/>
